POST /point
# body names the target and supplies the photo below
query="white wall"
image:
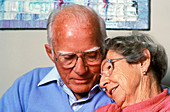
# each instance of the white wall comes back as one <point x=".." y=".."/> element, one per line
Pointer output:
<point x="21" y="51"/>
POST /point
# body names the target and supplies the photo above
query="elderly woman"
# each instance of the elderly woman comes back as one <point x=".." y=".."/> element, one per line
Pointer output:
<point x="131" y="75"/>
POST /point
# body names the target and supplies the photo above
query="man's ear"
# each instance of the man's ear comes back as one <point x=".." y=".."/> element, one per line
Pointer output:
<point x="49" y="52"/>
<point x="146" y="63"/>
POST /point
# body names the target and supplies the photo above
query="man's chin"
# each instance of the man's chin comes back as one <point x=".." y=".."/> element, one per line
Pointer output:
<point x="82" y="88"/>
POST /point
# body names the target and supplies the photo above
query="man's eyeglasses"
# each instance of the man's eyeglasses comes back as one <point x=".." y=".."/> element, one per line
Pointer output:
<point x="108" y="66"/>
<point x="90" y="57"/>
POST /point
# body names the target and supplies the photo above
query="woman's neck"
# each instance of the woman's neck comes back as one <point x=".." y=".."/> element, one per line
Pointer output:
<point x="148" y="88"/>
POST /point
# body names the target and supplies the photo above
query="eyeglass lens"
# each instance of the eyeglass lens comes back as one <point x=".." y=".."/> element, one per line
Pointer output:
<point x="107" y="68"/>
<point x="89" y="58"/>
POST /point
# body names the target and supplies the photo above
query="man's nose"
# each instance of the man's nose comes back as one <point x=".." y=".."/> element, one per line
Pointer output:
<point x="80" y="67"/>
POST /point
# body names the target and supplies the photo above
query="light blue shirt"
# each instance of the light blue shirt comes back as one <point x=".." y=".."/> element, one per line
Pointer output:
<point x="75" y="104"/>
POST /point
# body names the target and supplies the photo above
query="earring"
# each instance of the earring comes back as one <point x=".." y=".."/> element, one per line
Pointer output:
<point x="144" y="72"/>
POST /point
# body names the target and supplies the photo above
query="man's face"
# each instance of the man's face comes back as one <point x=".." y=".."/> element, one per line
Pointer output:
<point x="81" y="77"/>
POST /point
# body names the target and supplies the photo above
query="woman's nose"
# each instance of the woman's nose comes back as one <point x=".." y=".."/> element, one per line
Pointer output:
<point x="104" y="81"/>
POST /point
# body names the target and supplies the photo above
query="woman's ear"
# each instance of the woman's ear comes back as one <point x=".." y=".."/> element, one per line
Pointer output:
<point x="49" y="52"/>
<point x="146" y="63"/>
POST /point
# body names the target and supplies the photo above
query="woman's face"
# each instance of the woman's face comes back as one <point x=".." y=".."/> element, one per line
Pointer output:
<point x="123" y="82"/>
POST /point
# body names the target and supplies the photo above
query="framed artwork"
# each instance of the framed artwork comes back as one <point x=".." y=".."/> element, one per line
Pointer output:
<point x="33" y="14"/>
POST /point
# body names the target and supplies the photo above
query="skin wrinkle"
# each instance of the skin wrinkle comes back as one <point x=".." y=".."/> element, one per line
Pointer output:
<point x="119" y="71"/>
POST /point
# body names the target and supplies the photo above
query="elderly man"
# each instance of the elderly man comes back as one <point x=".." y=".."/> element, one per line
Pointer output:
<point x="75" y="36"/>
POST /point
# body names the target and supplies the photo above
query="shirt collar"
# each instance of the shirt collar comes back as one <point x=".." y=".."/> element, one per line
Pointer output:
<point x="53" y="75"/>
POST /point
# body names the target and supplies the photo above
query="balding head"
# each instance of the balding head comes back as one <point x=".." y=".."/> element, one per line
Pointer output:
<point x="76" y="14"/>
<point x="81" y="16"/>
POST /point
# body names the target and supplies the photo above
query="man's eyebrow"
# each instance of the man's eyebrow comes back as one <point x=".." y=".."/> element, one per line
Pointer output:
<point x="65" y="52"/>
<point x="92" y="49"/>
<point x="89" y="50"/>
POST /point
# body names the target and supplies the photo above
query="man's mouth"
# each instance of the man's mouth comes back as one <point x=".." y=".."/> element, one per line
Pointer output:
<point x="82" y="81"/>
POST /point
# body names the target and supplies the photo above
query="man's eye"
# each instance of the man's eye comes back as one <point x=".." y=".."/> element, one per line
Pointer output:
<point x="91" y="54"/>
<point x="69" y="57"/>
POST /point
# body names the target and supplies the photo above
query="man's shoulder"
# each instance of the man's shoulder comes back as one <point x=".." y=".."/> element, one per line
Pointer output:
<point x="34" y="76"/>
<point x="41" y="70"/>
<point x="38" y="72"/>
<point x="22" y="90"/>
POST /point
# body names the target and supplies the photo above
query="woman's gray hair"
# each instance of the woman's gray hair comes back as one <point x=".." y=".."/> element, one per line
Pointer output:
<point x="53" y="14"/>
<point x="132" y="47"/>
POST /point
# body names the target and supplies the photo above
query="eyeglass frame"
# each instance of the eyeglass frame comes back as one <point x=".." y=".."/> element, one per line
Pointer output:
<point x="111" y="63"/>
<point x="82" y="56"/>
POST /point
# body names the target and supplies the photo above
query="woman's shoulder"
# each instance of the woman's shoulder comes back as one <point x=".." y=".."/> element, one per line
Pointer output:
<point x="164" y="106"/>
<point x="109" y="108"/>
